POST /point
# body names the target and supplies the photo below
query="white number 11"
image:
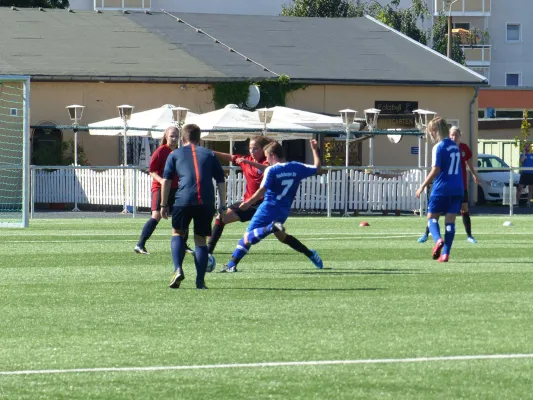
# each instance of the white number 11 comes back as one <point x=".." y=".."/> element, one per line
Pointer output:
<point x="454" y="165"/>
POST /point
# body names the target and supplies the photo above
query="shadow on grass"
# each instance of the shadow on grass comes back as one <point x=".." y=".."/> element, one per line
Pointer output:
<point x="346" y="271"/>
<point x="296" y="289"/>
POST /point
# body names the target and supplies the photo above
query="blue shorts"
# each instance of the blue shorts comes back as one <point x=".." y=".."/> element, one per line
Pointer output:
<point x="265" y="215"/>
<point x="445" y="204"/>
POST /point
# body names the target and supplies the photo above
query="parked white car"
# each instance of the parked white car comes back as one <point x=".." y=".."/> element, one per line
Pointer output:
<point x="492" y="182"/>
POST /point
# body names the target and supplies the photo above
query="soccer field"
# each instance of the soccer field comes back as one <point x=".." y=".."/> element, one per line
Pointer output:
<point x="83" y="316"/>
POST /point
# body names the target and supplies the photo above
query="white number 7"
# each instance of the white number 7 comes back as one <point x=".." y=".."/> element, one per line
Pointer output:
<point x="287" y="183"/>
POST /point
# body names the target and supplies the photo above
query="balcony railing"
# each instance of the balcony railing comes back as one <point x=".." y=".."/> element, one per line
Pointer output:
<point x="144" y="5"/>
<point x="477" y="55"/>
<point x="485" y="71"/>
<point x="464" y="7"/>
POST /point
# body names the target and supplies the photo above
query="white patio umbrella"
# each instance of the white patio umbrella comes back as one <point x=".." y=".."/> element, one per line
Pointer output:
<point x="146" y="154"/>
<point x="307" y="118"/>
<point x="232" y="117"/>
<point x="144" y="122"/>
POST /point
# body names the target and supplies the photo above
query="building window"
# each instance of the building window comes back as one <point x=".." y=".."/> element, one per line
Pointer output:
<point x="452" y="122"/>
<point x="509" y="113"/>
<point x="481" y="113"/>
<point x="462" y="25"/>
<point x="513" y="32"/>
<point x="512" y="79"/>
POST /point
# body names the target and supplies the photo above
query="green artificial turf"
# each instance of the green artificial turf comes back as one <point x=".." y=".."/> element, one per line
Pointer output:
<point x="73" y="294"/>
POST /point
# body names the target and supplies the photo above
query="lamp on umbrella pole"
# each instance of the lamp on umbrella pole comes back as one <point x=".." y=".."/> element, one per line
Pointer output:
<point x="348" y="117"/>
<point x="265" y="116"/>
<point x="125" y="111"/>
<point x="75" y="113"/>
<point x="178" y="117"/>
<point x="422" y="118"/>
<point x="371" y="117"/>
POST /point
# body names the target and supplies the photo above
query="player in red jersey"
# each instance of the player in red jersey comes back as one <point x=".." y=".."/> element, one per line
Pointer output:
<point x="253" y="176"/>
<point x="157" y="166"/>
<point x="466" y="163"/>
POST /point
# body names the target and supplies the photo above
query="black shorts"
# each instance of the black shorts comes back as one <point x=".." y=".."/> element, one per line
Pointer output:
<point x="526" y="179"/>
<point x="156" y="199"/>
<point x="465" y="196"/>
<point x="243" y="215"/>
<point x="202" y="215"/>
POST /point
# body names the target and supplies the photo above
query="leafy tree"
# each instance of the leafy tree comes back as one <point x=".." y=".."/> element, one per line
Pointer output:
<point x="440" y="40"/>
<point x="322" y="8"/>
<point x="404" y="20"/>
<point x="35" y="3"/>
<point x="522" y="140"/>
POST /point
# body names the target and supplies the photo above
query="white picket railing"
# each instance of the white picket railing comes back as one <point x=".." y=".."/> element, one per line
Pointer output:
<point x="327" y="192"/>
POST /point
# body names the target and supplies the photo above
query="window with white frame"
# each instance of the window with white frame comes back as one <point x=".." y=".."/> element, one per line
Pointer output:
<point x="513" y="33"/>
<point x="512" y="79"/>
<point x="452" y="122"/>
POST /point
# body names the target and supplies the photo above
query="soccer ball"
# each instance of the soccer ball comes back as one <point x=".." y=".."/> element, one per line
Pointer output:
<point x="507" y="223"/>
<point x="211" y="263"/>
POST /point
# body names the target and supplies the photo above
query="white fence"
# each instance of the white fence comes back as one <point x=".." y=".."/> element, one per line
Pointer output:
<point x="338" y="189"/>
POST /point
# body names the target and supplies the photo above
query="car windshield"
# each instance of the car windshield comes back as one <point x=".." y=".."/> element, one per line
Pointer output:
<point x="491" y="162"/>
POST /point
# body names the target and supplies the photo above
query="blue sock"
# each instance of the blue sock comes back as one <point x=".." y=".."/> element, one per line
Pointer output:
<point x="200" y="260"/>
<point x="434" y="229"/>
<point x="449" y="234"/>
<point x="177" y="248"/>
<point x="240" y="251"/>
<point x="259" y="234"/>
<point x="147" y="231"/>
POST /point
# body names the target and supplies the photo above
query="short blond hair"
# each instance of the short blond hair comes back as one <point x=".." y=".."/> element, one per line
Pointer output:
<point x="441" y="126"/>
<point x="456" y="130"/>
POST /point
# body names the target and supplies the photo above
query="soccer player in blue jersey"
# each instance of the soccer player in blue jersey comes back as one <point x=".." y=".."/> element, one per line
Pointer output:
<point x="280" y="183"/>
<point x="526" y="177"/>
<point x="447" y="190"/>
<point x="196" y="167"/>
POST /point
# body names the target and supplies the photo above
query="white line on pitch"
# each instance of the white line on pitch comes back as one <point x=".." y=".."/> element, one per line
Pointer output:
<point x="269" y="364"/>
<point x="221" y="240"/>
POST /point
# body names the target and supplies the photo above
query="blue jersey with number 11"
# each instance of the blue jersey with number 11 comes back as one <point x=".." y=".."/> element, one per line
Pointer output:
<point x="449" y="181"/>
<point x="282" y="180"/>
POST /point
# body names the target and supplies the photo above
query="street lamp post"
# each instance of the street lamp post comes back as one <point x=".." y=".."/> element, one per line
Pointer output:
<point x="371" y="117"/>
<point x="178" y="117"/>
<point x="75" y="113"/>
<point x="348" y="117"/>
<point x="125" y="111"/>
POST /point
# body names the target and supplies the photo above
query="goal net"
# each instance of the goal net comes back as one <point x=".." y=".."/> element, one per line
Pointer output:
<point x="14" y="151"/>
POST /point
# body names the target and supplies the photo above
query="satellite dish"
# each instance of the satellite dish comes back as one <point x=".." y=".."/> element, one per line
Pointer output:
<point x="394" y="138"/>
<point x="253" y="96"/>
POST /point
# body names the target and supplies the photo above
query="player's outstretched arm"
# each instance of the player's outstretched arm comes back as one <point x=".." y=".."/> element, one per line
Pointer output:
<point x="223" y="156"/>
<point x="245" y="205"/>
<point x="261" y="167"/>
<point x="316" y="155"/>
<point x="470" y="167"/>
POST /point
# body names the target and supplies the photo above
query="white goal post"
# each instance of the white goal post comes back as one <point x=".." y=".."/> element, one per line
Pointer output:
<point x="14" y="151"/>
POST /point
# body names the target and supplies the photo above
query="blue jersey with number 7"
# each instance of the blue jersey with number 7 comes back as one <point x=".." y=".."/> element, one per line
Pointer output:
<point x="282" y="180"/>
<point x="449" y="181"/>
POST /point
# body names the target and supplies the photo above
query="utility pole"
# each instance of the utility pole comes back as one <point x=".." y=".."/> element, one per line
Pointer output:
<point x="450" y="34"/>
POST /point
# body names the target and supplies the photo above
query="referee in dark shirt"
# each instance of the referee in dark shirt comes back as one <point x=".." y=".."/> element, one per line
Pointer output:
<point x="196" y="167"/>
